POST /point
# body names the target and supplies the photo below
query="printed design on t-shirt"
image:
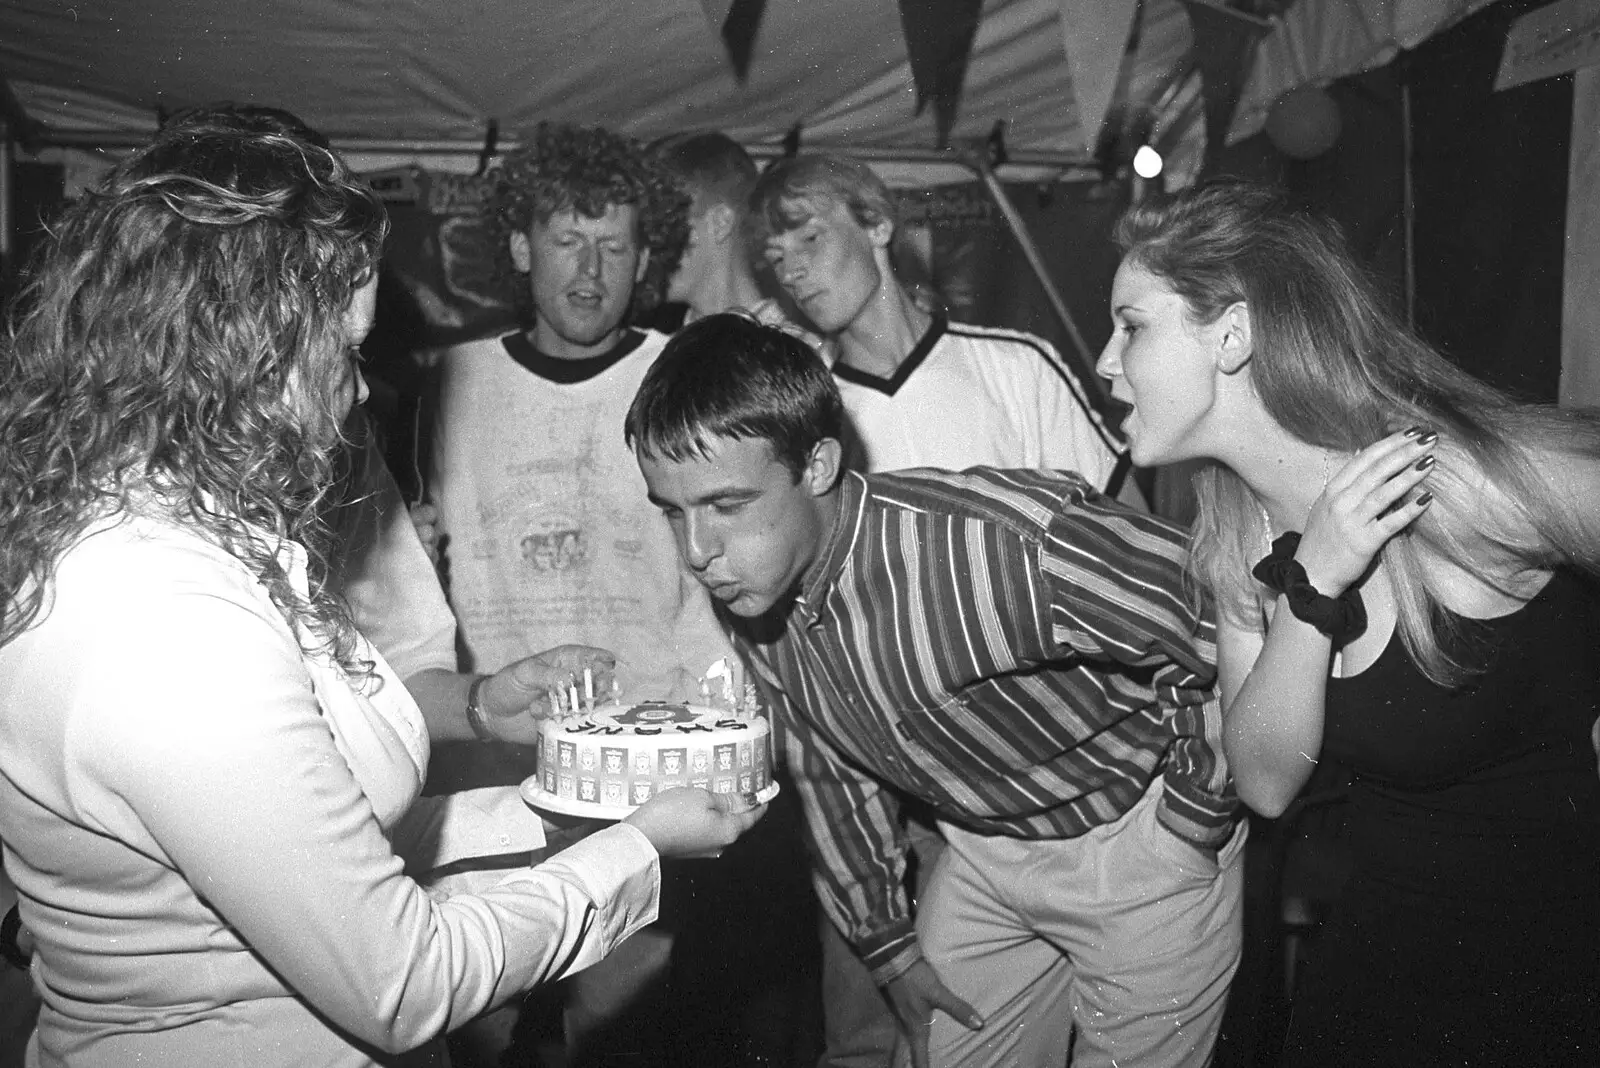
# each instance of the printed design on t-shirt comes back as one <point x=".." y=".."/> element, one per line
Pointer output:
<point x="556" y="548"/>
<point x="547" y="535"/>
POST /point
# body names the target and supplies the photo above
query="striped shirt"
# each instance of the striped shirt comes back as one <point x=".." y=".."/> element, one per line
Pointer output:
<point x="1008" y="646"/>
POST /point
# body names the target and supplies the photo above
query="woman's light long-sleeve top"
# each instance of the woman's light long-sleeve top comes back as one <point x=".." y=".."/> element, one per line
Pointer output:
<point x="206" y="826"/>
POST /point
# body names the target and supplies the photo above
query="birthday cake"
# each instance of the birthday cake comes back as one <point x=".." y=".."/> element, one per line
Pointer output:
<point x="606" y="762"/>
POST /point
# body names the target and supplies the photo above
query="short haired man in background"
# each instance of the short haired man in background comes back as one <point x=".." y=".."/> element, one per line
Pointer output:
<point x="716" y="272"/>
<point x="919" y="389"/>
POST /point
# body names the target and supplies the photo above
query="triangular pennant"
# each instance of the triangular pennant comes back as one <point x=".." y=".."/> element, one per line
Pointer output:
<point x="1096" y="37"/>
<point x="939" y="35"/>
<point x="736" y="22"/>
<point x="1224" y="47"/>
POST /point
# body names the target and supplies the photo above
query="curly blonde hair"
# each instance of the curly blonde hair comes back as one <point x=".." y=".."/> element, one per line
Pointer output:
<point x="153" y="349"/>
<point x="586" y="169"/>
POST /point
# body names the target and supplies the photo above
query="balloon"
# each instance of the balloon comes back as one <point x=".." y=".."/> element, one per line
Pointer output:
<point x="1304" y="122"/>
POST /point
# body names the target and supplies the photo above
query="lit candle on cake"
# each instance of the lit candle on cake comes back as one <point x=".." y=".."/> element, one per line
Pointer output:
<point x="555" y="703"/>
<point x="721" y="670"/>
<point x="588" y="689"/>
<point x="572" y="695"/>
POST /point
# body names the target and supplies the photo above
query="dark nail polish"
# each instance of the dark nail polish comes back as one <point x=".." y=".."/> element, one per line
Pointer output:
<point x="1424" y="498"/>
<point x="1428" y="439"/>
<point x="1424" y="463"/>
<point x="1414" y="432"/>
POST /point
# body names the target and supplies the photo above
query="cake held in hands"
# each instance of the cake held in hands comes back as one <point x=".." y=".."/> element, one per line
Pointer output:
<point x="606" y="762"/>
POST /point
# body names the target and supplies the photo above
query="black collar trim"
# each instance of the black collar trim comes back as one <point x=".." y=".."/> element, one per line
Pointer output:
<point x="890" y="386"/>
<point x="519" y="347"/>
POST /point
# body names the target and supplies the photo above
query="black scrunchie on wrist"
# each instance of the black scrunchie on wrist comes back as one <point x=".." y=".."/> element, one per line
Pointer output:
<point x="1341" y="618"/>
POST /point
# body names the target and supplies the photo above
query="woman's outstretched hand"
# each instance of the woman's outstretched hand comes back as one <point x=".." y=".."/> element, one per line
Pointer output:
<point x="687" y="821"/>
<point x="1374" y="496"/>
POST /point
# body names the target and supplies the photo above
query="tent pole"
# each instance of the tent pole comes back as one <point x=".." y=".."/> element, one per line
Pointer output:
<point x="1080" y="357"/>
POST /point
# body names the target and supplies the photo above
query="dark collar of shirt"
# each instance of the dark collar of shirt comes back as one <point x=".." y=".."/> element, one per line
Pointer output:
<point x="819" y="578"/>
<point x="563" y="372"/>
<point x="914" y="359"/>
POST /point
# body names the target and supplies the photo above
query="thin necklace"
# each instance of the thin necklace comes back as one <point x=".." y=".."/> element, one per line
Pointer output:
<point x="1329" y="463"/>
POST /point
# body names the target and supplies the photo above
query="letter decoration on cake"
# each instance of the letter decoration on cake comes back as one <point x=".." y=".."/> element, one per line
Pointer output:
<point x="603" y="761"/>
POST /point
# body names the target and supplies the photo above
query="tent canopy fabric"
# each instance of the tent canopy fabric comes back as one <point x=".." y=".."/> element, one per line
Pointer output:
<point x="426" y="73"/>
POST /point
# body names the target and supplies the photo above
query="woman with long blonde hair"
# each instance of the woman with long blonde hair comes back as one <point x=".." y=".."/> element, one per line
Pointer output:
<point x="1403" y="560"/>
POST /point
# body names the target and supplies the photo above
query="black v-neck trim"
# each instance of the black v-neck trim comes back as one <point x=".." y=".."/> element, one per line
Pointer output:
<point x="890" y="386"/>
<point x="567" y="372"/>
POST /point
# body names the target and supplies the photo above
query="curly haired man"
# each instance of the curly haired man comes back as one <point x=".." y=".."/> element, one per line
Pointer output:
<point x="548" y="530"/>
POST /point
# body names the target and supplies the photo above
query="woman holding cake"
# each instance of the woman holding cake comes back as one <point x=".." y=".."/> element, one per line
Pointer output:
<point x="207" y="774"/>
<point x="1404" y="564"/>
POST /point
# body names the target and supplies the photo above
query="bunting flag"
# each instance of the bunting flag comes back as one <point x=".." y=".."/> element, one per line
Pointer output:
<point x="939" y="35"/>
<point x="736" y="21"/>
<point x="1557" y="39"/>
<point x="1224" y="48"/>
<point x="1096" y="36"/>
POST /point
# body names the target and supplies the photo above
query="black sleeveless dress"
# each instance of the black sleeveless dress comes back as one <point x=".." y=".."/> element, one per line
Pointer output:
<point x="1469" y="933"/>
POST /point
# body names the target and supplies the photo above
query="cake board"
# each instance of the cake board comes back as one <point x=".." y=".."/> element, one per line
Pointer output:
<point x="539" y="798"/>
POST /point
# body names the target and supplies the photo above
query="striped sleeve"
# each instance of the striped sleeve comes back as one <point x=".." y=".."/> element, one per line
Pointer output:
<point x="1118" y="591"/>
<point x="859" y="866"/>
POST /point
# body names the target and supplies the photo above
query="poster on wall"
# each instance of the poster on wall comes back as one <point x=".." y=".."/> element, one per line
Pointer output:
<point x="943" y="234"/>
<point x="445" y="278"/>
<point x="954" y="242"/>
